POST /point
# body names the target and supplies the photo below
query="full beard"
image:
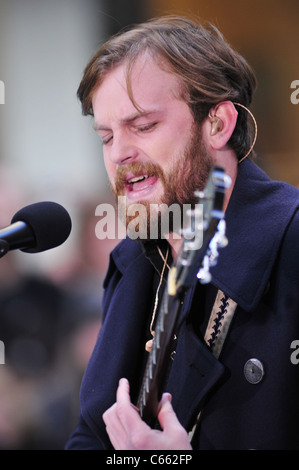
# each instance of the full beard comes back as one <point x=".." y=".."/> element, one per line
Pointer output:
<point x="188" y="174"/>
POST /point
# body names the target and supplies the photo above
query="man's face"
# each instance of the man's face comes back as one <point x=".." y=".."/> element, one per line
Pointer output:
<point x="155" y="155"/>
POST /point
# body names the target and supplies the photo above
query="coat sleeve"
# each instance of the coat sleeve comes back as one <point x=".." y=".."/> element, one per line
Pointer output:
<point x="83" y="438"/>
<point x="119" y="350"/>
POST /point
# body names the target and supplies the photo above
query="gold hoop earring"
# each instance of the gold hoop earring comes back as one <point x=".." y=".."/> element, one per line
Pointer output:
<point x="255" y="130"/>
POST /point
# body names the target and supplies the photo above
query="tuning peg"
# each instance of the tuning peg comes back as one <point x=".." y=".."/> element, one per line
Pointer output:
<point x="221" y="238"/>
<point x="199" y="194"/>
<point x="204" y="274"/>
<point x="227" y="181"/>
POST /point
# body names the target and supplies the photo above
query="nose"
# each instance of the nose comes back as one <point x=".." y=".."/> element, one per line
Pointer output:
<point x="122" y="149"/>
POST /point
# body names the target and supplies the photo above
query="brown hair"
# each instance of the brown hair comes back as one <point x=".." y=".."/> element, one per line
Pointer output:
<point x="207" y="66"/>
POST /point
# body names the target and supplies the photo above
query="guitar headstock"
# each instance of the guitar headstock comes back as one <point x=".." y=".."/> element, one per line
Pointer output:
<point x="204" y="234"/>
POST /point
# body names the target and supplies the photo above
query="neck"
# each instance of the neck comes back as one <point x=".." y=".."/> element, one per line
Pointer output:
<point x="230" y="164"/>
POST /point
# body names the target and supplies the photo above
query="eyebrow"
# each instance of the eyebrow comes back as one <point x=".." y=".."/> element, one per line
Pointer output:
<point x="128" y="120"/>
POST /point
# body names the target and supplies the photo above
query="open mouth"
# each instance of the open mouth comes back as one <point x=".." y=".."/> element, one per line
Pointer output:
<point x="139" y="183"/>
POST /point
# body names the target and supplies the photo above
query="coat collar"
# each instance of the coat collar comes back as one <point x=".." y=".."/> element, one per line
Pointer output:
<point x="257" y="217"/>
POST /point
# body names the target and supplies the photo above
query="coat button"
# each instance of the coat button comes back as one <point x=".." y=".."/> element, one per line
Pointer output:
<point x="253" y="371"/>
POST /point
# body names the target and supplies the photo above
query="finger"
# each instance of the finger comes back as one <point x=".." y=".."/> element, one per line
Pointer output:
<point x="114" y="427"/>
<point x="123" y="392"/>
<point x="166" y="415"/>
<point x="175" y="434"/>
<point x="115" y="417"/>
<point x="123" y="399"/>
<point x="127" y="412"/>
<point x="129" y="415"/>
<point x="108" y="414"/>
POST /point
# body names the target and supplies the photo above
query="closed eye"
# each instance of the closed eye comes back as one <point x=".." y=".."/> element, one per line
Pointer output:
<point x="141" y="128"/>
<point x="106" y="140"/>
<point x="147" y="127"/>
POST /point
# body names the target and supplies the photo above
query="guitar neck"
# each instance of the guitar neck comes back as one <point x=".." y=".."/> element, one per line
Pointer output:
<point x="181" y="276"/>
<point x="159" y="359"/>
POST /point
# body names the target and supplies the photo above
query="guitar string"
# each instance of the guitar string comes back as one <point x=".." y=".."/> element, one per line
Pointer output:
<point x="150" y="342"/>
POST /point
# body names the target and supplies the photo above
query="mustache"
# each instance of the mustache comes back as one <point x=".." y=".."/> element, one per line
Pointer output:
<point x="136" y="169"/>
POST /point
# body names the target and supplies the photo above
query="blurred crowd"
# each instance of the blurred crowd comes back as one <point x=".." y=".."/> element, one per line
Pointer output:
<point x="49" y="323"/>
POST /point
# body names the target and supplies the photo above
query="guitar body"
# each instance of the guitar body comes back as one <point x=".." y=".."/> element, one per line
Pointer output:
<point x="191" y="266"/>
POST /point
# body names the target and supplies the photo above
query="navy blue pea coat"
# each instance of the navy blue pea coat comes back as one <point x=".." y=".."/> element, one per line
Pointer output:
<point x="259" y="269"/>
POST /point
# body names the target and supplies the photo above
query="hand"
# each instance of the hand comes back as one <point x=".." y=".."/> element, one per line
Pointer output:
<point x="127" y="431"/>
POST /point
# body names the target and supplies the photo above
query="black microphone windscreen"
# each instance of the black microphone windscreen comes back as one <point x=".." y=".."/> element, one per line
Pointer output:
<point x="50" y="223"/>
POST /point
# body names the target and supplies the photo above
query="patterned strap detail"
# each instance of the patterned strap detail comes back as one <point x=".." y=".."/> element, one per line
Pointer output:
<point x="219" y="322"/>
<point x="216" y="332"/>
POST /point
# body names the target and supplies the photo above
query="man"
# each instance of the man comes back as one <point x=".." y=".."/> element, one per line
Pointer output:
<point x="170" y="100"/>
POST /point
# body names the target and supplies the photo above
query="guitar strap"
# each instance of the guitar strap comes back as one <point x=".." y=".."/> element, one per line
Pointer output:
<point x="218" y="326"/>
<point x="219" y="322"/>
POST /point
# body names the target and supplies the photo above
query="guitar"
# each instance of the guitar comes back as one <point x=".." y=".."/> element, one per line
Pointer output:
<point x="201" y="241"/>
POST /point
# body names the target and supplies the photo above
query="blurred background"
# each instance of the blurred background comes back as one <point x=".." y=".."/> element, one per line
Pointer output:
<point x="50" y="303"/>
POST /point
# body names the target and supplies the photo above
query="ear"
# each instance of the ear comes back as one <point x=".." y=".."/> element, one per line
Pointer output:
<point x="221" y="124"/>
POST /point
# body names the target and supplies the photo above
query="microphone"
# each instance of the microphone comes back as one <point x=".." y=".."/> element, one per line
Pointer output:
<point x="35" y="228"/>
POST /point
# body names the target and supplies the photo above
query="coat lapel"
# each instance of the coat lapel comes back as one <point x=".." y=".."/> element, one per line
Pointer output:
<point x="257" y="216"/>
